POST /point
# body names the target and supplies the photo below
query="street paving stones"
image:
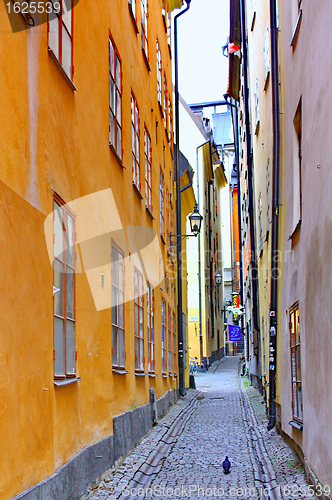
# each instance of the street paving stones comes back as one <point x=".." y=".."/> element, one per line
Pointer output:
<point x="182" y="456"/>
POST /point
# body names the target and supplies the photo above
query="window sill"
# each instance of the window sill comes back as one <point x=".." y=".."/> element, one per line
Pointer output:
<point x="133" y="18"/>
<point x="137" y="191"/>
<point x="149" y="212"/>
<point x="161" y="109"/>
<point x="64" y="74"/>
<point x="297" y="227"/>
<point x="66" y="381"/>
<point x="140" y="374"/>
<point x="145" y="57"/>
<point x="266" y="81"/>
<point x="165" y="375"/>
<point x="296" y="425"/>
<point x="296" y="30"/>
<point x="116" y="155"/>
<point x="119" y="371"/>
<point x="153" y="375"/>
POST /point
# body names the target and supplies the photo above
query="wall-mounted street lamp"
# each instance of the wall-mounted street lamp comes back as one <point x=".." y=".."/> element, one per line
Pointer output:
<point x="195" y="220"/>
<point x="217" y="279"/>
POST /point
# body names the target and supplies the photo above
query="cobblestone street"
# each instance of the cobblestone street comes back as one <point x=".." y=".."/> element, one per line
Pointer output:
<point x="182" y="456"/>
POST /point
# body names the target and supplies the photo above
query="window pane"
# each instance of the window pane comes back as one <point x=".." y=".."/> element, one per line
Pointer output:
<point x="69" y="293"/>
<point x="118" y="140"/>
<point x="111" y="139"/>
<point x="58" y="282"/>
<point x="53" y="36"/>
<point x="136" y="354"/>
<point x="299" y="395"/>
<point x="122" y="347"/>
<point x="114" y="268"/>
<point x="121" y="309"/>
<point x="111" y="59"/>
<point x="66" y="13"/>
<point x="70" y="241"/>
<point x="118" y="106"/>
<point x="58" y="232"/>
<point x="141" y="354"/>
<point x="118" y="73"/>
<point x="295" y="400"/>
<point x="298" y="363"/>
<point x="112" y="94"/>
<point x="141" y="323"/>
<point x="59" y="347"/>
<point x="136" y="319"/>
<point x="66" y="51"/>
<point x="121" y="272"/>
<point x="70" y="345"/>
<point x="114" y="345"/>
<point x="114" y="305"/>
<point x="133" y="139"/>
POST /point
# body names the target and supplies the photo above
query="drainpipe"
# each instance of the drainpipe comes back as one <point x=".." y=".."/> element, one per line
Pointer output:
<point x="210" y="183"/>
<point x="178" y="209"/>
<point x="253" y="263"/>
<point x="275" y="215"/>
<point x="199" y="273"/>
<point x="237" y="159"/>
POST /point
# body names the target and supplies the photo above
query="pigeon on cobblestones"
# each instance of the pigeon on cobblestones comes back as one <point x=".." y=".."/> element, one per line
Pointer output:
<point x="226" y="465"/>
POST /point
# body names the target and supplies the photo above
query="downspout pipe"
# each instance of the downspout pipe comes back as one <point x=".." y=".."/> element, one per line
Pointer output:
<point x="235" y="122"/>
<point x="178" y="208"/>
<point x="275" y="215"/>
<point x="210" y="183"/>
<point x="199" y="274"/>
<point x="253" y="260"/>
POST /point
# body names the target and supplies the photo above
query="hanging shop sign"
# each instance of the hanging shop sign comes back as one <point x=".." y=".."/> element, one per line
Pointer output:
<point x="234" y="333"/>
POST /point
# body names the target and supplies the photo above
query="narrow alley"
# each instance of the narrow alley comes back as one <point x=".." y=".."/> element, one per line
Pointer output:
<point x="182" y="456"/>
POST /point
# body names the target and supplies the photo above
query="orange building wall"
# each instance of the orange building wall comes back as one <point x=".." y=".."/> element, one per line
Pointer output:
<point x="55" y="138"/>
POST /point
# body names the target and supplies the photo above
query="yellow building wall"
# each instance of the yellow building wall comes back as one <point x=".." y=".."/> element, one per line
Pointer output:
<point x="55" y="139"/>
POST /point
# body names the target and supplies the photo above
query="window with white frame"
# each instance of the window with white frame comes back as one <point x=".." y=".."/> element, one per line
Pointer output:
<point x="135" y="142"/>
<point x="159" y="74"/>
<point x="261" y="239"/>
<point x="174" y="343"/>
<point x="60" y="35"/>
<point x="150" y="321"/>
<point x="256" y="98"/>
<point x="64" y="291"/>
<point x="170" y="121"/>
<point x="118" y="330"/>
<point x="144" y="34"/>
<point x="162" y="204"/>
<point x="168" y="239"/>
<point x="148" y="169"/>
<point x="139" y="326"/>
<point x="266" y="54"/>
<point x="163" y="337"/>
<point x="115" y="125"/>
<point x="165" y="102"/>
<point x="295" y="346"/>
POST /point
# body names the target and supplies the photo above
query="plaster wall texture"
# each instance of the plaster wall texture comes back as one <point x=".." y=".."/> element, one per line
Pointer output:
<point x="307" y="271"/>
<point x="56" y="139"/>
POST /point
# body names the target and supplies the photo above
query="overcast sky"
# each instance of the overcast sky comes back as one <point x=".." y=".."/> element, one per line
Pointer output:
<point x="203" y="70"/>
